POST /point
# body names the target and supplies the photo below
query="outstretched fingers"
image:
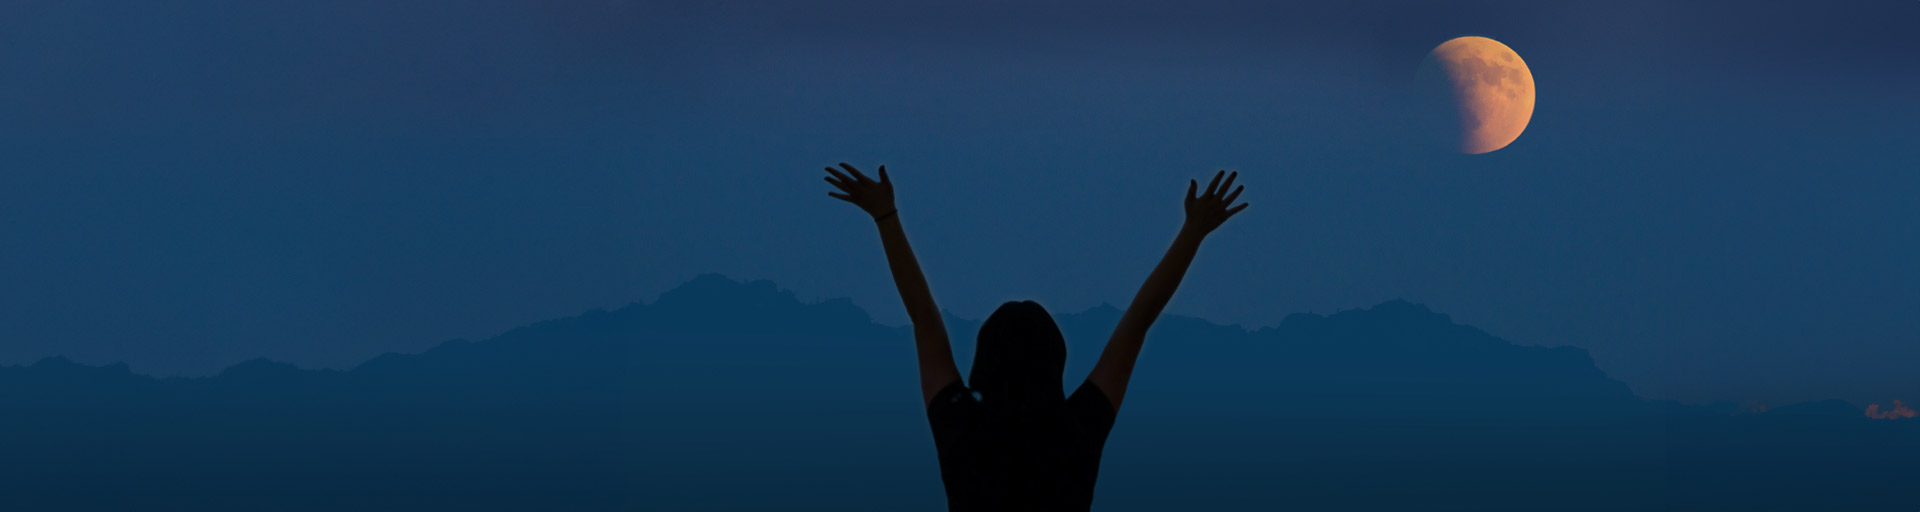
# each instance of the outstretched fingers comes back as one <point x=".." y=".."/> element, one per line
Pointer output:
<point x="1229" y="183"/>
<point x="856" y="172"/>
<point x="842" y="185"/>
<point x="1235" y="195"/>
<point x="1236" y="209"/>
<point x="837" y="174"/>
<point x="1216" y="182"/>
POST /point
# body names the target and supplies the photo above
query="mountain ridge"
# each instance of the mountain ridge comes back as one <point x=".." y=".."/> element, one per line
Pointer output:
<point x="722" y="382"/>
<point x="713" y="303"/>
<point x="673" y="310"/>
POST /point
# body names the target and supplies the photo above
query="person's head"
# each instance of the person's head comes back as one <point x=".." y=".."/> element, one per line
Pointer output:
<point x="1020" y="357"/>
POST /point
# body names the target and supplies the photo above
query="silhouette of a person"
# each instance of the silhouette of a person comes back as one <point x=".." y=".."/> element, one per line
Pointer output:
<point x="1012" y="441"/>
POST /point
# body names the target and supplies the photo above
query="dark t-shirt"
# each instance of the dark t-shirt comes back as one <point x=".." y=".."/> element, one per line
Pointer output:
<point x="1044" y="463"/>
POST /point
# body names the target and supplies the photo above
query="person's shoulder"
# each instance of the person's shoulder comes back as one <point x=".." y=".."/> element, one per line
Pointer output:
<point x="954" y="393"/>
<point x="1091" y="403"/>
<point x="950" y="411"/>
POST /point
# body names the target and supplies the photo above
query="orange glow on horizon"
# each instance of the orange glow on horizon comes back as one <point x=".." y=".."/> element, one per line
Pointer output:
<point x="1899" y="411"/>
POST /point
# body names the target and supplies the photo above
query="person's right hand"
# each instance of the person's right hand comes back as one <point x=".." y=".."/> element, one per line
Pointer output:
<point x="1205" y="212"/>
<point x="875" y="197"/>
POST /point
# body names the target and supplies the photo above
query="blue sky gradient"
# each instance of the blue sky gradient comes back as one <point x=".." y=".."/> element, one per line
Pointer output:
<point x="1714" y="198"/>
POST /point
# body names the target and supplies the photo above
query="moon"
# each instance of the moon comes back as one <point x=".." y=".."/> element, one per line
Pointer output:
<point x="1492" y="91"/>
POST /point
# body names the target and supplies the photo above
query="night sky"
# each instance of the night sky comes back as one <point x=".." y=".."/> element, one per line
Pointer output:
<point x="1717" y="199"/>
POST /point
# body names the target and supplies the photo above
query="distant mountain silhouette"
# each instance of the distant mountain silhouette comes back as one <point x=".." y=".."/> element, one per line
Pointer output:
<point x="737" y="395"/>
<point x="1838" y="408"/>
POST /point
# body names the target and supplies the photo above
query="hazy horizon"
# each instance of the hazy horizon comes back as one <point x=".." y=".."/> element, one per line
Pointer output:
<point x="1075" y="344"/>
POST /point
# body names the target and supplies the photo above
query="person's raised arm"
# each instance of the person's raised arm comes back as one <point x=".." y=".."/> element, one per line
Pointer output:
<point x="1205" y="212"/>
<point x="937" y="369"/>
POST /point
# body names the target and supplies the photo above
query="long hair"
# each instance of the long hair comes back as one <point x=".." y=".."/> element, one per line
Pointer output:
<point x="1018" y="361"/>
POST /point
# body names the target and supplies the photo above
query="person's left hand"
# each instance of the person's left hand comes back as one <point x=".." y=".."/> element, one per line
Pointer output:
<point x="875" y="197"/>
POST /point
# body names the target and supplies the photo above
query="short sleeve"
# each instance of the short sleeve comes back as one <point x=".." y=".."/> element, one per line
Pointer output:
<point x="1089" y="409"/>
<point x="949" y="407"/>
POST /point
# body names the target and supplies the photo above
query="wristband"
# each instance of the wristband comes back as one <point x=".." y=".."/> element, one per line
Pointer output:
<point x="884" y="216"/>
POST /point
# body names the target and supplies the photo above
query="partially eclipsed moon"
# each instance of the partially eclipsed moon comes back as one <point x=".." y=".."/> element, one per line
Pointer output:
<point x="1492" y="88"/>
